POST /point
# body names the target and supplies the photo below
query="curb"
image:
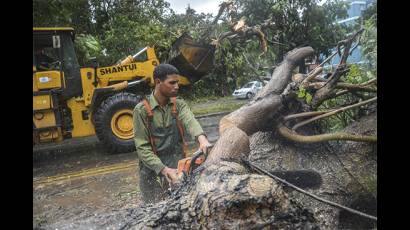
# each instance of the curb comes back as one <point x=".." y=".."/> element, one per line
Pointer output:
<point x="213" y="114"/>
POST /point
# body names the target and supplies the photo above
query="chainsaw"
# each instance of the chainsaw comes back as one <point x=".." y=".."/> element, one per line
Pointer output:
<point x="302" y="178"/>
<point x="187" y="165"/>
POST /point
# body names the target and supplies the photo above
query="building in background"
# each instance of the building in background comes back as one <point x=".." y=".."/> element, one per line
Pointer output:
<point x="355" y="11"/>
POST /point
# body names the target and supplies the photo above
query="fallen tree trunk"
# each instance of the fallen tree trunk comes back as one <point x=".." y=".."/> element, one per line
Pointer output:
<point x="348" y="172"/>
<point x="226" y="194"/>
<point x="258" y="115"/>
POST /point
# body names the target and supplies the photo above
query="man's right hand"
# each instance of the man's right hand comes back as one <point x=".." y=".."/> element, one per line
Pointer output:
<point x="170" y="174"/>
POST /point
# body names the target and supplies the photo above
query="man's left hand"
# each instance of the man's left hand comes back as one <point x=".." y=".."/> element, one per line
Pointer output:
<point x="203" y="143"/>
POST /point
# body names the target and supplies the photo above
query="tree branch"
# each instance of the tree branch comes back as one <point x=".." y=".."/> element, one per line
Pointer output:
<point x="326" y="92"/>
<point x="294" y="136"/>
<point x="342" y="92"/>
<point x="341" y="85"/>
<point x="355" y="87"/>
<point x="222" y="7"/>
<point x="369" y="82"/>
<point x="255" y="70"/>
<point x="333" y="113"/>
<point x="239" y="28"/>
<point x="306" y="114"/>
<point x="321" y="64"/>
<point x="277" y="43"/>
<point x="312" y="75"/>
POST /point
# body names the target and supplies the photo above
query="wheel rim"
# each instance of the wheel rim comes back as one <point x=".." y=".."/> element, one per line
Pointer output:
<point x="121" y="124"/>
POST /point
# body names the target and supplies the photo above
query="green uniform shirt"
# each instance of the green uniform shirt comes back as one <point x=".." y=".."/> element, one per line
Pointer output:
<point x="162" y="118"/>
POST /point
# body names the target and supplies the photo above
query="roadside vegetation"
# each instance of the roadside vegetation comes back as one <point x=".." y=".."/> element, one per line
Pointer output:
<point x="112" y="30"/>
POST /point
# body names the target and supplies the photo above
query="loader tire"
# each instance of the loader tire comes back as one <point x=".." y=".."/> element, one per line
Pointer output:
<point x="114" y="124"/>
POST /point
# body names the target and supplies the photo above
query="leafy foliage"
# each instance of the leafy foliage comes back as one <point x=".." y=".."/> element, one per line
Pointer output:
<point x="113" y="29"/>
<point x="298" y="23"/>
<point x="370" y="12"/>
<point x="49" y="13"/>
<point x="87" y="46"/>
<point x="357" y="74"/>
<point x="369" y="43"/>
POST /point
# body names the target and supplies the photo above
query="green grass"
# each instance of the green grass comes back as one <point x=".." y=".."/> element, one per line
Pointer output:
<point x="204" y="106"/>
<point x="215" y="109"/>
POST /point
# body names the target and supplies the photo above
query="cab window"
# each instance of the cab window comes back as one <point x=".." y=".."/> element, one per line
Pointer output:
<point x="44" y="55"/>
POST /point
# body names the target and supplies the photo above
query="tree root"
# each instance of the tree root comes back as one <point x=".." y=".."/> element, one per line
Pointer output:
<point x="294" y="136"/>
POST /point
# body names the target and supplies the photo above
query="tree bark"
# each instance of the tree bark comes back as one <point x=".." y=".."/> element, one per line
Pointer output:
<point x="348" y="171"/>
<point x="226" y="194"/>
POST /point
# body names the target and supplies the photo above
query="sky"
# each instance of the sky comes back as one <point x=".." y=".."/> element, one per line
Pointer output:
<point x="200" y="6"/>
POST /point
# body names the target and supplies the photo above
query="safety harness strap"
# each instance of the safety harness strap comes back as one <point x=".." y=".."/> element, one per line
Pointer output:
<point x="174" y="112"/>
<point x="179" y="125"/>
<point x="150" y="116"/>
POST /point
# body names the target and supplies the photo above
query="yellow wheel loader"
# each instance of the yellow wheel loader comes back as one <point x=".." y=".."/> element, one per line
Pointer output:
<point x="71" y="101"/>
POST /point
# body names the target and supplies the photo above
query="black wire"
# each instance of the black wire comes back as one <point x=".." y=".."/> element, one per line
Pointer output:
<point x="309" y="194"/>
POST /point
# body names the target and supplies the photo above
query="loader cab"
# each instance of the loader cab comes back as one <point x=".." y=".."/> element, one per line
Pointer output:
<point x="46" y="58"/>
<point x="53" y="50"/>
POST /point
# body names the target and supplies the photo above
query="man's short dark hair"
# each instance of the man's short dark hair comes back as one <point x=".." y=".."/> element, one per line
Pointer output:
<point x="162" y="70"/>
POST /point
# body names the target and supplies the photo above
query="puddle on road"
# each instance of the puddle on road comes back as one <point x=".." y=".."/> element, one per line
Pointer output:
<point x="84" y="196"/>
<point x="77" y="189"/>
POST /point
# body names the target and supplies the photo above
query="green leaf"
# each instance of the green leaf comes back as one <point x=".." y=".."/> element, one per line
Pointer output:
<point x="301" y="92"/>
<point x="308" y="98"/>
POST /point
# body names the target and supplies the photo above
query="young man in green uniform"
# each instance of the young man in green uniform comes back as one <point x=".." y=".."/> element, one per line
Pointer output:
<point x="159" y="124"/>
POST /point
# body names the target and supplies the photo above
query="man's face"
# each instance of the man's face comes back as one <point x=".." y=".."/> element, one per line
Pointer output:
<point x="169" y="87"/>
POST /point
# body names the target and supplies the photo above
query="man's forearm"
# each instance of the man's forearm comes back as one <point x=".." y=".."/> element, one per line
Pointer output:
<point x="201" y="138"/>
<point x="203" y="143"/>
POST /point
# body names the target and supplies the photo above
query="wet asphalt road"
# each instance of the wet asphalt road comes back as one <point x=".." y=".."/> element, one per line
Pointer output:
<point x="78" y="178"/>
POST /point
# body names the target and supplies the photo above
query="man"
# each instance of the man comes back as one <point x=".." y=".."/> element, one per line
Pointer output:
<point x="42" y="60"/>
<point x="159" y="124"/>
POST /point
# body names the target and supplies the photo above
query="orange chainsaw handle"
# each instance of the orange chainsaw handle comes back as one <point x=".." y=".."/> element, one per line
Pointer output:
<point x="186" y="164"/>
<point x="196" y="155"/>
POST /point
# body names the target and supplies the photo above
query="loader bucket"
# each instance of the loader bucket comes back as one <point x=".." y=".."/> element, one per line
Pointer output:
<point x="193" y="60"/>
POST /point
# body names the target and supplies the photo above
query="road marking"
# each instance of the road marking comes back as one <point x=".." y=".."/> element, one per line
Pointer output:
<point x="84" y="173"/>
<point x="43" y="181"/>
